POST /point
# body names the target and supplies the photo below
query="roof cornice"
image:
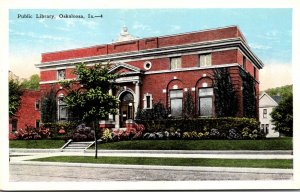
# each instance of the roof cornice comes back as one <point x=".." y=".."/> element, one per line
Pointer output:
<point x="231" y="42"/>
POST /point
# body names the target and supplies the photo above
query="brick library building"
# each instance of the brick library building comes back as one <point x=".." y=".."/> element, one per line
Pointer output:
<point x="159" y="69"/>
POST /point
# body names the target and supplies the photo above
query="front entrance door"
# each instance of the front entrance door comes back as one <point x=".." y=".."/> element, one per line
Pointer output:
<point x="126" y="108"/>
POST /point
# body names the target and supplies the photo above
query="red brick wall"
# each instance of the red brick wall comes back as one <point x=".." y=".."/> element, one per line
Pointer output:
<point x="155" y="83"/>
<point x="48" y="75"/>
<point x="27" y="114"/>
<point x="224" y="57"/>
<point x="141" y="44"/>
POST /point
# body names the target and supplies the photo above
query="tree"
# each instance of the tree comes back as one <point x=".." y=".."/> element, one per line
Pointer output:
<point x="15" y="93"/>
<point x="92" y="102"/>
<point x="225" y="95"/>
<point x="282" y="116"/>
<point x="249" y="96"/>
<point x="33" y="83"/>
<point x="188" y="106"/>
<point x="49" y="107"/>
<point x="283" y="91"/>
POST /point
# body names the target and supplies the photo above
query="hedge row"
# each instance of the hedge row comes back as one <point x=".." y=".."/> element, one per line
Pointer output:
<point x="217" y="128"/>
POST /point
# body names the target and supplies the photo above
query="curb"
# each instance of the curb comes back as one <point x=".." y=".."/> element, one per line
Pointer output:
<point x="153" y="167"/>
<point x="243" y="152"/>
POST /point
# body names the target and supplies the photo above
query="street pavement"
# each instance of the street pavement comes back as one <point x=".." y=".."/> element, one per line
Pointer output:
<point x="23" y="170"/>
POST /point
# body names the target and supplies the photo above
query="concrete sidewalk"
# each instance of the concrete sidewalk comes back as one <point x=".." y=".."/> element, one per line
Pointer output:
<point x="23" y="157"/>
<point x="159" y="153"/>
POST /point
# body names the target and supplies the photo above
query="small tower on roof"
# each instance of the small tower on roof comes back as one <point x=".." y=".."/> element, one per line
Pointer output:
<point x="124" y="35"/>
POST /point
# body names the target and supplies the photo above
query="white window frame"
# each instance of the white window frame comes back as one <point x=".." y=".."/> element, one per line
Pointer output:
<point x="61" y="74"/>
<point x="145" y="100"/>
<point x="176" y="97"/>
<point x="175" y="63"/>
<point x="202" y="96"/>
<point x="59" y="105"/>
<point x="37" y="104"/>
<point x="265" y="113"/>
<point x="205" y="60"/>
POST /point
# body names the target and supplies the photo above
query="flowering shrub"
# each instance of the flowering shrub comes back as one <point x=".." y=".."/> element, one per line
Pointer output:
<point x="60" y="129"/>
<point x="163" y="135"/>
<point x="134" y="132"/>
<point x="233" y="134"/>
<point x="81" y="133"/>
<point x="195" y="135"/>
<point x="205" y="128"/>
<point x="107" y="135"/>
<point x="32" y="133"/>
<point x="12" y="136"/>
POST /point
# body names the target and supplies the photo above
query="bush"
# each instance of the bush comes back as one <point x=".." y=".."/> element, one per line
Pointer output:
<point x="81" y="133"/>
<point x="206" y="128"/>
<point x="32" y="133"/>
<point x="60" y="129"/>
<point x="134" y="132"/>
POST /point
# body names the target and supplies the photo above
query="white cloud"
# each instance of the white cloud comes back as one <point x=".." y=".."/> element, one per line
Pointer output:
<point x="258" y="46"/>
<point x="24" y="66"/>
<point x="275" y="75"/>
<point x="36" y="36"/>
<point x="174" y="28"/>
<point x="140" y="26"/>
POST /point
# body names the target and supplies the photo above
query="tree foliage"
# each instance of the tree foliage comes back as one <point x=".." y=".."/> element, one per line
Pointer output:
<point x="249" y="96"/>
<point x="49" y="107"/>
<point x="92" y="101"/>
<point x="283" y="91"/>
<point x="158" y="112"/>
<point x="282" y="116"/>
<point x="188" y="106"/>
<point x="225" y="95"/>
<point x="33" y="83"/>
<point x="15" y="93"/>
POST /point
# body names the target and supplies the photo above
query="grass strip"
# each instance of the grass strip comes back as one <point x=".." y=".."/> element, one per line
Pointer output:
<point x="252" y="163"/>
<point x="266" y="144"/>
<point x="36" y="144"/>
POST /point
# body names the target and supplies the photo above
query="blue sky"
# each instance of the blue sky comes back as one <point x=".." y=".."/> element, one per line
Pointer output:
<point x="268" y="32"/>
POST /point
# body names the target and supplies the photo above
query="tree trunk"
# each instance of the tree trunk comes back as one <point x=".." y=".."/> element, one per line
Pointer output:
<point x="96" y="145"/>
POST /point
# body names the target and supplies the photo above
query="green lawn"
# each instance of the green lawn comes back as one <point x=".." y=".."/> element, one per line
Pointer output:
<point x="36" y="144"/>
<point x="253" y="163"/>
<point x="266" y="144"/>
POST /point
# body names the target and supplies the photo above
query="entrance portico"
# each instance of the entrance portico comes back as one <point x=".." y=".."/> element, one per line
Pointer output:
<point x="128" y="95"/>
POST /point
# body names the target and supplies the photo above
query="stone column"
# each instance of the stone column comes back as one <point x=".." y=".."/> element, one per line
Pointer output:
<point x="110" y="116"/>
<point x="137" y="97"/>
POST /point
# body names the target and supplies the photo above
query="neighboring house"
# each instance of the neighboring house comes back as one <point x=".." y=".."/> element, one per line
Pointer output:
<point x="266" y="105"/>
<point x="159" y="69"/>
<point x="28" y="113"/>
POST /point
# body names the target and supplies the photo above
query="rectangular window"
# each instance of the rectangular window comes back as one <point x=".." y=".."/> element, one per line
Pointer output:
<point x="37" y="123"/>
<point x="254" y="72"/>
<point x="148" y="102"/>
<point x="265" y="113"/>
<point x="175" y="63"/>
<point x="62" y="110"/>
<point x="14" y="124"/>
<point x="205" y="101"/>
<point x="244" y="62"/>
<point x="61" y="74"/>
<point x="37" y="104"/>
<point x="205" y="60"/>
<point x="267" y="129"/>
<point x="176" y="102"/>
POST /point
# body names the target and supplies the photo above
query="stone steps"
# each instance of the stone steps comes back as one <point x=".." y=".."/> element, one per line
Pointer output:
<point x="78" y="146"/>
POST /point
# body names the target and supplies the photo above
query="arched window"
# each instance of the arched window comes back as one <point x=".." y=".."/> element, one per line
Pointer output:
<point x="176" y="96"/>
<point x="62" y="109"/>
<point x="205" y="101"/>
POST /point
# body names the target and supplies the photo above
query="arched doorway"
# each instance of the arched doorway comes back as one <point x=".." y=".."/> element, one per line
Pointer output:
<point x="126" y="107"/>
